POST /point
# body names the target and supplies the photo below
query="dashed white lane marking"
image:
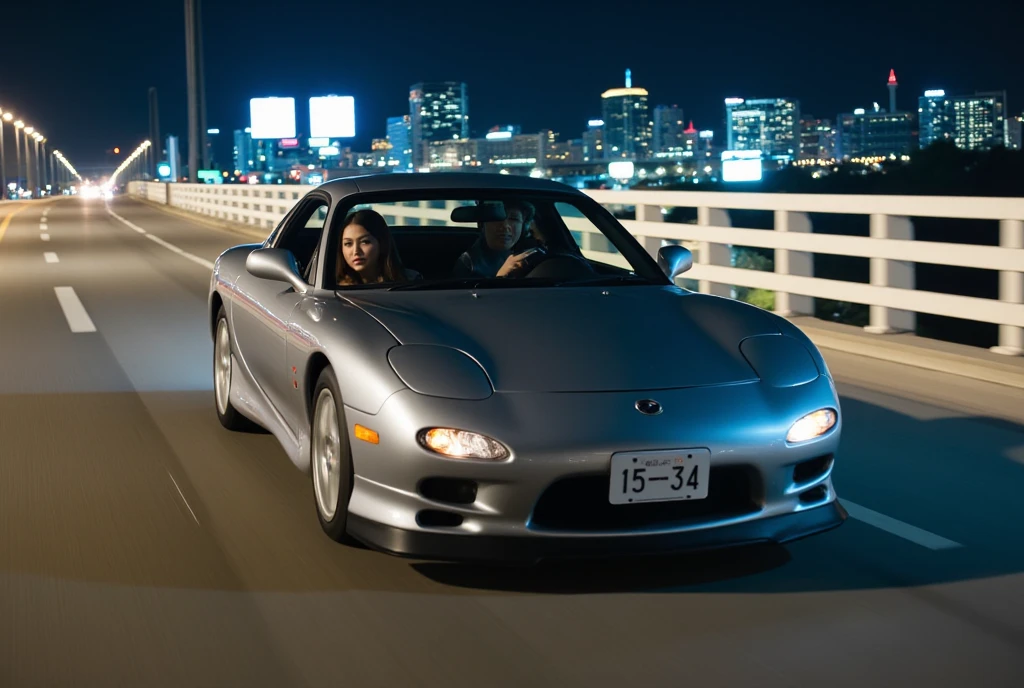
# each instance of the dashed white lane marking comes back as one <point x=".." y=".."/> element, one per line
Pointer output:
<point x="898" y="528"/>
<point x="51" y="257"/>
<point x="183" y="498"/>
<point x="169" y="246"/>
<point x="75" y="313"/>
<point x="44" y="237"/>
<point x="43" y="225"/>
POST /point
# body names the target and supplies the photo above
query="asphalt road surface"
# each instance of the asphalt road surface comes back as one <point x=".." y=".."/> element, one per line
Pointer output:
<point x="143" y="545"/>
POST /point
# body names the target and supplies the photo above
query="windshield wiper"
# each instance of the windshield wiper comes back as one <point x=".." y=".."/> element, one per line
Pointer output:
<point x="606" y="280"/>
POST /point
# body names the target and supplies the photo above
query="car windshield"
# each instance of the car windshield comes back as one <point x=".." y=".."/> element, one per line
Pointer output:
<point x="485" y="241"/>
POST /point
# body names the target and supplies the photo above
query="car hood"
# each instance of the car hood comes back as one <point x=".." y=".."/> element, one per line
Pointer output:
<point x="579" y="339"/>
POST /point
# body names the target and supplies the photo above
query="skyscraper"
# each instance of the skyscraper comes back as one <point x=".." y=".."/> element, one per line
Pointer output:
<point x="817" y="139"/>
<point x="975" y="122"/>
<point x="770" y="125"/>
<point x="668" y="129"/>
<point x="1014" y="132"/>
<point x="241" y="152"/>
<point x="980" y="121"/>
<point x="876" y="133"/>
<point x="593" y="141"/>
<point x="399" y="134"/>
<point x="438" y="111"/>
<point x="627" y="122"/>
<point x="934" y="116"/>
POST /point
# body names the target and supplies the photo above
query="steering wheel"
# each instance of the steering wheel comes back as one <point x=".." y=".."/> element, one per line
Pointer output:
<point x="559" y="266"/>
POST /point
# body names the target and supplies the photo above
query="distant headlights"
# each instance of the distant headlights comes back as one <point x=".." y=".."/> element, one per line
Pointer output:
<point x="812" y="425"/>
<point x="461" y="444"/>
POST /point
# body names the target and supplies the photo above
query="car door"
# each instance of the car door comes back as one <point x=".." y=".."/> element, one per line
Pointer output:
<point x="261" y="312"/>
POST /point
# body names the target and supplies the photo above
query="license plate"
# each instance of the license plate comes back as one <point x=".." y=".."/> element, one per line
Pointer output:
<point x="659" y="476"/>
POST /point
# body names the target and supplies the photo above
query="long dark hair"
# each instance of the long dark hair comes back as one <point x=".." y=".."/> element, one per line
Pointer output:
<point x="389" y="265"/>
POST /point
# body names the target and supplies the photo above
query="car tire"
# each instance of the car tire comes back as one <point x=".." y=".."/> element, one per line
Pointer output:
<point x="227" y="414"/>
<point x="330" y="458"/>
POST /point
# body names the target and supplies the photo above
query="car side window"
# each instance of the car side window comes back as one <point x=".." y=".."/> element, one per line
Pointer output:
<point x="302" y="235"/>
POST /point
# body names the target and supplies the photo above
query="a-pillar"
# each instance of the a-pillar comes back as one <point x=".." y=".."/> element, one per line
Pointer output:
<point x="891" y="273"/>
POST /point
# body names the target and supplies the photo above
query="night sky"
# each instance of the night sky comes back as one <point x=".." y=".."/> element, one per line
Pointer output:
<point x="82" y="75"/>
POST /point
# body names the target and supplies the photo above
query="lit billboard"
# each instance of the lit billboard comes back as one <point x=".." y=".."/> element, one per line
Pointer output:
<point x="332" y="116"/>
<point x="272" y="118"/>
<point x="621" y="169"/>
<point x="741" y="166"/>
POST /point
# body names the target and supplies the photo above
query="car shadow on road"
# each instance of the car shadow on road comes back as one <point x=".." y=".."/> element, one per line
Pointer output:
<point x="958" y="477"/>
<point x="619" y="575"/>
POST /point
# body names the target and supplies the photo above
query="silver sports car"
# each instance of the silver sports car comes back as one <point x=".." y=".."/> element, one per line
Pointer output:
<point x="492" y="367"/>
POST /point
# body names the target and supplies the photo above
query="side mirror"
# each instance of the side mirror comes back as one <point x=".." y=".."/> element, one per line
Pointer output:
<point x="674" y="260"/>
<point x="276" y="264"/>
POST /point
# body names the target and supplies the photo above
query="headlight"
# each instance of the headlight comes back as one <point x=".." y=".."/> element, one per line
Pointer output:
<point x="812" y="425"/>
<point x="460" y="444"/>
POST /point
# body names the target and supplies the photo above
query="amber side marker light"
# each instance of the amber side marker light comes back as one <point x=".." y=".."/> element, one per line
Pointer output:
<point x="367" y="435"/>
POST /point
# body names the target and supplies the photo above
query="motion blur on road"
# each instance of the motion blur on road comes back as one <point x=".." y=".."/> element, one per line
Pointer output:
<point x="143" y="545"/>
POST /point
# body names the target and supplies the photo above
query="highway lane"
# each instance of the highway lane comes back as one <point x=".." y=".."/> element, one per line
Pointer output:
<point x="142" y="544"/>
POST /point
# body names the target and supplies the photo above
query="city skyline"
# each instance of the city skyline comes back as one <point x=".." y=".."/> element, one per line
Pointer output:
<point x="906" y="103"/>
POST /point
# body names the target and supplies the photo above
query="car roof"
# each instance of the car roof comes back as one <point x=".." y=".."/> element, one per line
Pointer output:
<point x="440" y="181"/>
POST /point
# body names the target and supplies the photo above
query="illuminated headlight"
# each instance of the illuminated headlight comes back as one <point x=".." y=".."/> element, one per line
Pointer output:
<point x="812" y="425"/>
<point x="460" y="444"/>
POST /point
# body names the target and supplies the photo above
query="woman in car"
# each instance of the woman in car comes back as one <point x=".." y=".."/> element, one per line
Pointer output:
<point x="366" y="252"/>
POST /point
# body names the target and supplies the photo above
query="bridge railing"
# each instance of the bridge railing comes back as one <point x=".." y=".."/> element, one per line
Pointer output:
<point x="891" y="293"/>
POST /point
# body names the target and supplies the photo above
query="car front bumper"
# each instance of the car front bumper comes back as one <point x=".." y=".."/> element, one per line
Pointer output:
<point x="550" y="498"/>
<point x="423" y="544"/>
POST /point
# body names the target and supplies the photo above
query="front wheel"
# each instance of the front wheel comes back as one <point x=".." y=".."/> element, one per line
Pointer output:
<point x="330" y="458"/>
<point x="228" y="416"/>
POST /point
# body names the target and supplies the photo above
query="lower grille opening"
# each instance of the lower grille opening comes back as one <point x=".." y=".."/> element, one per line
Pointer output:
<point x="581" y="503"/>
<point x="815" y="494"/>
<point x="812" y="469"/>
<point x="450" y="490"/>
<point x="433" y="518"/>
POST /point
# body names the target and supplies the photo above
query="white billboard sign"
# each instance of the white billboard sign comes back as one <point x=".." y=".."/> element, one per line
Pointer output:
<point x="332" y="116"/>
<point x="272" y="118"/>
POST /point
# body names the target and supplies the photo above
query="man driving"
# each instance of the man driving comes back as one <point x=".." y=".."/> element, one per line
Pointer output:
<point x="491" y="254"/>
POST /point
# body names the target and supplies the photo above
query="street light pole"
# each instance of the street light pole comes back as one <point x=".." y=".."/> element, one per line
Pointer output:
<point x="29" y="173"/>
<point x="35" y="171"/>
<point x="196" y="98"/>
<point x="17" y="148"/>
<point x="41" y="162"/>
<point x="3" y="158"/>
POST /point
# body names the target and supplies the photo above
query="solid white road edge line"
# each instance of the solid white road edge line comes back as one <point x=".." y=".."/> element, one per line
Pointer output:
<point x="169" y="246"/>
<point x="183" y="498"/>
<point x="898" y="528"/>
<point x="51" y="257"/>
<point x="138" y="229"/>
<point x="75" y="313"/>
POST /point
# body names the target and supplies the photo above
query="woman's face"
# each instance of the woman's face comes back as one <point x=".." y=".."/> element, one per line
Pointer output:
<point x="361" y="251"/>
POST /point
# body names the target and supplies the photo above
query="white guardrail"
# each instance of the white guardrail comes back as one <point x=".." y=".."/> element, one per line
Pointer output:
<point x="891" y="248"/>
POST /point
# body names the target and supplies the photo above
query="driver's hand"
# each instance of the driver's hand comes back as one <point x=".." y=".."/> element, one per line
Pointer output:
<point x="512" y="264"/>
